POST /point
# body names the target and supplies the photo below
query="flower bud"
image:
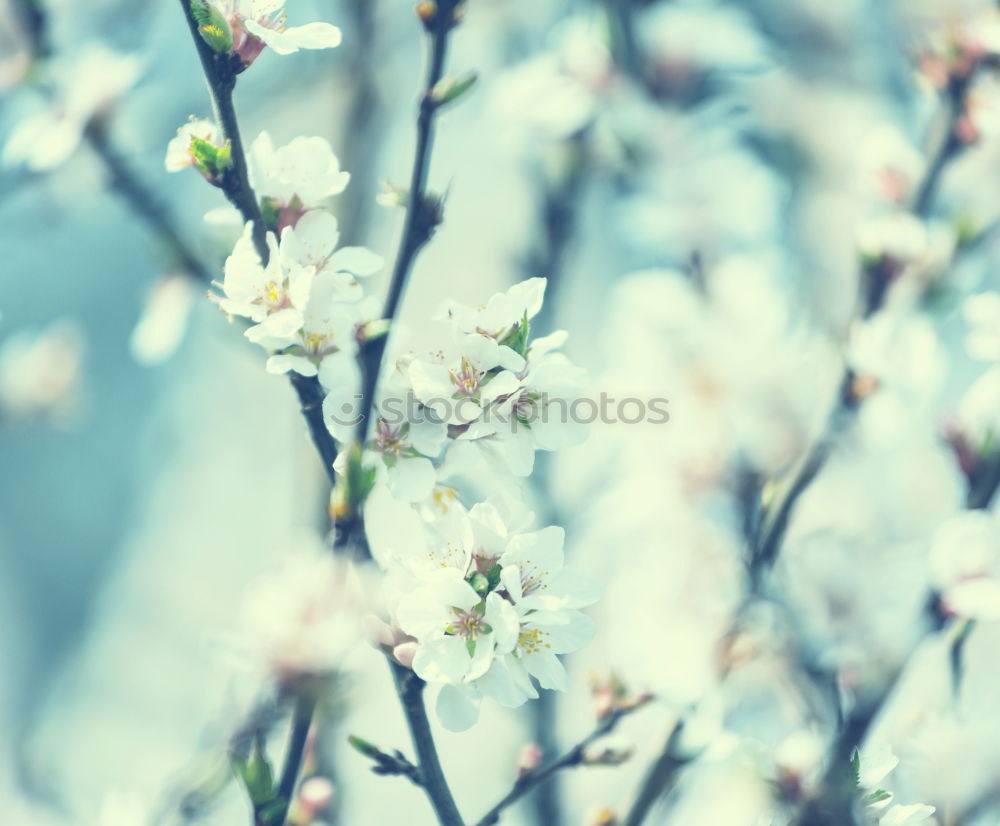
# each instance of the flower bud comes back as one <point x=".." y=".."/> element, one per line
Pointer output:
<point x="315" y="797"/>
<point x="404" y="653"/>
<point x="531" y="757"/>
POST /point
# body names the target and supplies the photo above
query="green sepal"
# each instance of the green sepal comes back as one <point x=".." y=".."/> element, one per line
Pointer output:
<point x="517" y="337"/>
<point x="257" y="775"/>
<point x="359" y="480"/>
<point x="450" y="88"/>
<point x="480" y="584"/>
<point x="856" y="767"/>
<point x="876" y="796"/>
<point x="212" y="26"/>
<point x="211" y="160"/>
<point x="363" y="746"/>
<point x="270" y="211"/>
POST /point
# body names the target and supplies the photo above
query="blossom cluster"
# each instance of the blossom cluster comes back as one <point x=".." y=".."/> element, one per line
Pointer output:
<point x="473" y="601"/>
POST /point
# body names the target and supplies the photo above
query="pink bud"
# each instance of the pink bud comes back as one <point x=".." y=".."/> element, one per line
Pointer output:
<point x="404" y="653"/>
<point x="378" y="632"/>
<point x="315" y="796"/>
<point x="531" y="757"/>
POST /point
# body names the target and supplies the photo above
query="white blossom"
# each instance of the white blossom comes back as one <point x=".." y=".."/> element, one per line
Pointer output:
<point x="255" y="24"/>
<point x="964" y="565"/>
<point x="272" y="296"/>
<point x="180" y="152"/>
<point x="297" y="176"/>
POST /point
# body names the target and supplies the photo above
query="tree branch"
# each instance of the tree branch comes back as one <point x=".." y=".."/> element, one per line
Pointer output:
<point x="220" y="75"/>
<point x="131" y="187"/>
<point x="574" y="757"/>
<point x="422" y="212"/>
<point x="765" y="549"/>
<point x="411" y="694"/>
<point x="659" y="779"/>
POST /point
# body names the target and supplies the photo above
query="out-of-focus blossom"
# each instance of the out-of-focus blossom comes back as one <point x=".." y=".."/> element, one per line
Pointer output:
<point x="40" y="373"/>
<point x="305" y="619"/>
<point x="982" y="312"/>
<point x="685" y="40"/>
<point x="893" y="166"/>
<point x="86" y="87"/>
<point x="964" y="565"/>
<point x="164" y="320"/>
<point x="900" y="350"/>
<point x="555" y="95"/>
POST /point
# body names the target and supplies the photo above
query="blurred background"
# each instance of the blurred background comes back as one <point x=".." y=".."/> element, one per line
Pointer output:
<point x="735" y="203"/>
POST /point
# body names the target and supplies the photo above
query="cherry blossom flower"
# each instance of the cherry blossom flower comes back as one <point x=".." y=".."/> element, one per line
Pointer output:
<point x="296" y="177"/>
<point x="187" y="149"/>
<point x="271" y="295"/>
<point x="536" y="416"/>
<point x="312" y="242"/>
<point x="503" y="314"/>
<point x="325" y="337"/>
<point x="457" y="387"/>
<point x="458" y="630"/>
<point x="256" y="24"/>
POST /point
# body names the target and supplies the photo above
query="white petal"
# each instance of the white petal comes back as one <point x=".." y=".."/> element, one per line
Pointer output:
<point x="442" y="659"/>
<point x="457" y="707"/>
<point x="546" y="668"/>
<point x="280" y="363"/>
<point x="412" y="479"/>
<point x="356" y="260"/>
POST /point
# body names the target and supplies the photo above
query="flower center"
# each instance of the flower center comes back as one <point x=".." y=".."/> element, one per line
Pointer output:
<point x="467" y="624"/>
<point x="532" y="641"/>
<point x="467" y="379"/>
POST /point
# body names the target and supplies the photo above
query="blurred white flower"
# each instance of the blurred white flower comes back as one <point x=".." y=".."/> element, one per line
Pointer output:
<point x="964" y="565"/>
<point x="164" y="320"/>
<point x="41" y="372"/>
<point x="982" y="312"/>
<point x="901" y="350"/>
<point x="305" y="619"/>
<point x="86" y="86"/>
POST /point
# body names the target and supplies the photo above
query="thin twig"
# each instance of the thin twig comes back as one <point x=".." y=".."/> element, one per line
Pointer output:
<point x="765" y="550"/>
<point x="411" y="693"/>
<point x="659" y="779"/>
<point x="576" y="756"/>
<point x="131" y="187"/>
<point x="305" y="706"/>
<point x="220" y="74"/>
<point x="422" y="213"/>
